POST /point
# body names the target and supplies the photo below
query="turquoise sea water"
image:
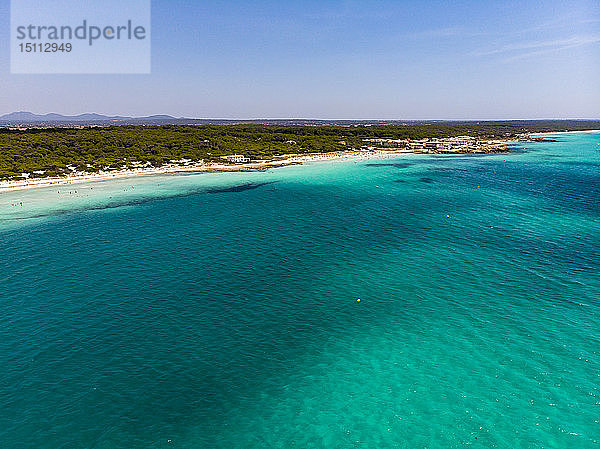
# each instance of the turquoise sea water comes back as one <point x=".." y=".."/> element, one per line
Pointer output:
<point x="219" y="310"/>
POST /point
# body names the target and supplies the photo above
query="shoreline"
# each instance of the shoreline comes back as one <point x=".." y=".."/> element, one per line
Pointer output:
<point x="502" y="146"/>
<point x="566" y="132"/>
<point x="11" y="186"/>
<point x="276" y="162"/>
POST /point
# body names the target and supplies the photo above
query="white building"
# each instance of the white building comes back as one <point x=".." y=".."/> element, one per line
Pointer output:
<point x="237" y="158"/>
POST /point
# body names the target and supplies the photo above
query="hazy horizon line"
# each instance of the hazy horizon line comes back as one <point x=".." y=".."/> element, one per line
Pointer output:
<point x="299" y="118"/>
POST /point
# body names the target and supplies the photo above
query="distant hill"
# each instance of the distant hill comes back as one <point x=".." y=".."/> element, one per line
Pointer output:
<point x="53" y="119"/>
<point x="29" y="119"/>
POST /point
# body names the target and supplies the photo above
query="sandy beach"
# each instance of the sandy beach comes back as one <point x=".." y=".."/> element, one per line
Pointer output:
<point x="9" y="186"/>
<point x="566" y="132"/>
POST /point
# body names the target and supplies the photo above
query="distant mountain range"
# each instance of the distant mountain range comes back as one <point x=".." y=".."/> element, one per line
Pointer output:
<point x="29" y="118"/>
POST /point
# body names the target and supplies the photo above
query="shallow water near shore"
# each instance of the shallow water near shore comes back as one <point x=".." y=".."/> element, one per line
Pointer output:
<point x="220" y="310"/>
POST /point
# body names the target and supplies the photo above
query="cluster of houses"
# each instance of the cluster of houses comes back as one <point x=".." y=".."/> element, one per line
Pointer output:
<point x="461" y="144"/>
<point x="236" y="158"/>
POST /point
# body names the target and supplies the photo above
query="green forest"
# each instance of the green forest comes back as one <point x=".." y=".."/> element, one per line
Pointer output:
<point x="55" y="151"/>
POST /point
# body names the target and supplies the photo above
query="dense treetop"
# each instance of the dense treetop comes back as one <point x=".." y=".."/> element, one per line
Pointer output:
<point x="56" y="151"/>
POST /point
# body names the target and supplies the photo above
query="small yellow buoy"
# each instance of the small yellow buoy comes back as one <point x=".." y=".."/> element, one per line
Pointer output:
<point x="358" y="300"/>
<point x="447" y="216"/>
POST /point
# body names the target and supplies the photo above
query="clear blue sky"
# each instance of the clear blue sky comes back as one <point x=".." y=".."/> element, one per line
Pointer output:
<point x="418" y="59"/>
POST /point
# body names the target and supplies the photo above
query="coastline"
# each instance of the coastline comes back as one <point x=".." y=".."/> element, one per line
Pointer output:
<point x="493" y="147"/>
<point x="78" y="178"/>
<point x="277" y="161"/>
<point x="566" y="132"/>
